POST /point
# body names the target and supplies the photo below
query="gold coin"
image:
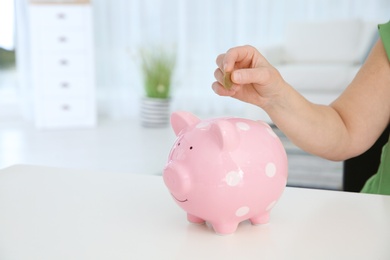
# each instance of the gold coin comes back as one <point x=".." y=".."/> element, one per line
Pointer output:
<point x="227" y="82"/>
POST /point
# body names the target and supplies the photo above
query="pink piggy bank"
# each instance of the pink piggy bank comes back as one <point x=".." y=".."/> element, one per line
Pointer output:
<point x="225" y="170"/>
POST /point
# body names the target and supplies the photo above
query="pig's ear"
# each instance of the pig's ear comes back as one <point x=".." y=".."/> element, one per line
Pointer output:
<point x="181" y="119"/>
<point x="227" y="136"/>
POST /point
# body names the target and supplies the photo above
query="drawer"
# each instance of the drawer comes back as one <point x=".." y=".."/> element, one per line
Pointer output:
<point x="59" y="16"/>
<point x="68" y="63"/>
<point x="57" y="110"/>
<point x="60" y="1"/>
<point x="61" y="40"/>
<point x="66" y="86"/>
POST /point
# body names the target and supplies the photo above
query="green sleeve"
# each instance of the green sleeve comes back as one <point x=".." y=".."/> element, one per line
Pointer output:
<point x="384" y="32"/>
<point x="379" y="183"/>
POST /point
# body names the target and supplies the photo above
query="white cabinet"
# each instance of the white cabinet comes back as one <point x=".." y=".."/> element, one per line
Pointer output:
<point x="62" y="64"/>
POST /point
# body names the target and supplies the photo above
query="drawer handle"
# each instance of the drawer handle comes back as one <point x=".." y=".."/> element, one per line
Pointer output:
<point x="61" y="16"/>
<point x="64" y="85"/>
<point x="62" y="39"/>
<point x="63" y="62"/>
<point x="65" y="107"/>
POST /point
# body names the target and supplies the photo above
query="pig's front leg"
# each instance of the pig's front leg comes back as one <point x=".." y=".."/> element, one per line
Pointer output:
<point x="194" y="219"/>
<point x="223" y="228"/>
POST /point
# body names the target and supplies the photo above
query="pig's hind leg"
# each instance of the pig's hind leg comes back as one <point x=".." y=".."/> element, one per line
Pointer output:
<point x="260" y="219"/>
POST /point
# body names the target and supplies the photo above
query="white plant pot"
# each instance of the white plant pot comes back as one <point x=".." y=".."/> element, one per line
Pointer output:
<point x="155" y="112"/>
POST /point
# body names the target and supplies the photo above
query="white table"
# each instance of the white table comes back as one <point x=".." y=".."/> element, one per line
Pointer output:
<point x="51" y="213"/>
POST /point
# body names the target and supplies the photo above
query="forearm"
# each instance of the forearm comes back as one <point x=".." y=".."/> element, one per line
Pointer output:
<point x="317" y="129"/>
<point x="347" y="127"/>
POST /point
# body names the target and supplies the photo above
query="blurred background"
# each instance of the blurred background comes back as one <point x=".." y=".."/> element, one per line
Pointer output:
<point x="108" y="38"/>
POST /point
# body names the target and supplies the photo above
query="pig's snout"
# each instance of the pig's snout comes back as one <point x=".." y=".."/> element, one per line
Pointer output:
<point x="177" y="179"/>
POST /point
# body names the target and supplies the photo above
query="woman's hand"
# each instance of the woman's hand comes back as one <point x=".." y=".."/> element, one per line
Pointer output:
<point x="254" y="79"/>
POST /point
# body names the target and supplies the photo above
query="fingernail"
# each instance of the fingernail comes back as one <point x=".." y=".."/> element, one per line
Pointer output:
<point x="224" y="67"/>
<point x="236" y="77"/>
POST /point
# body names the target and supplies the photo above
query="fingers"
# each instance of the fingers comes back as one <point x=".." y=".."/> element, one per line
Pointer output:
<point x="219" y="61"/>
<point x="243" y="57"/>
<point x="218" y="75"/>
<point x="259" y="76"/>
<point x="220" y="90"/>
<point x="227" y="61"/>
<point x="248" y="68"/>
<point x="233" y="56"/>
<point x="218" y="85"/>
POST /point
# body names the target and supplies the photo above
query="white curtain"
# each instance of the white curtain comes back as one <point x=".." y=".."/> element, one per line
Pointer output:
<point x="198" y="31"/>
<point x="7" y="24"/>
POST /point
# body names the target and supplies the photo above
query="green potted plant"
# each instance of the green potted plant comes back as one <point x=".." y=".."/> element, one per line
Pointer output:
<point x="157" y="67"/>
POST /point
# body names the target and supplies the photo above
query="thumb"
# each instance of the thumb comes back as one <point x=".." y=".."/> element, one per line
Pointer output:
<point x="259" y="75"/>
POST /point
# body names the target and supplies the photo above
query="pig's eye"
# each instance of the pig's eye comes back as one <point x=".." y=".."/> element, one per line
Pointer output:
<point x="178" y="144"/>
<point x="190" y="147"/>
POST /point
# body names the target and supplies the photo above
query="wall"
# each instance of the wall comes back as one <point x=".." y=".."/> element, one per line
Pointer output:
<point x="198" y="31"/>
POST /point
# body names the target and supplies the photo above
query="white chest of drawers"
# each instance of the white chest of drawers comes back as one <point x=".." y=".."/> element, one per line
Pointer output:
<point x="62" y="65"/>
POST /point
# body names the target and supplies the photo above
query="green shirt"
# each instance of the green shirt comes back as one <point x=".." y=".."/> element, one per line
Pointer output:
<point x="380" y="182"/>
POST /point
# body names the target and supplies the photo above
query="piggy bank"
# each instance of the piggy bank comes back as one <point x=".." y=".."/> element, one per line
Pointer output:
<point x="225" y="170"/>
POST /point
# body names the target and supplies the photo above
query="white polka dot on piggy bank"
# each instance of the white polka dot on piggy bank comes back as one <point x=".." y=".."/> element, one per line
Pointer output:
<point x="225" y="170"/>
